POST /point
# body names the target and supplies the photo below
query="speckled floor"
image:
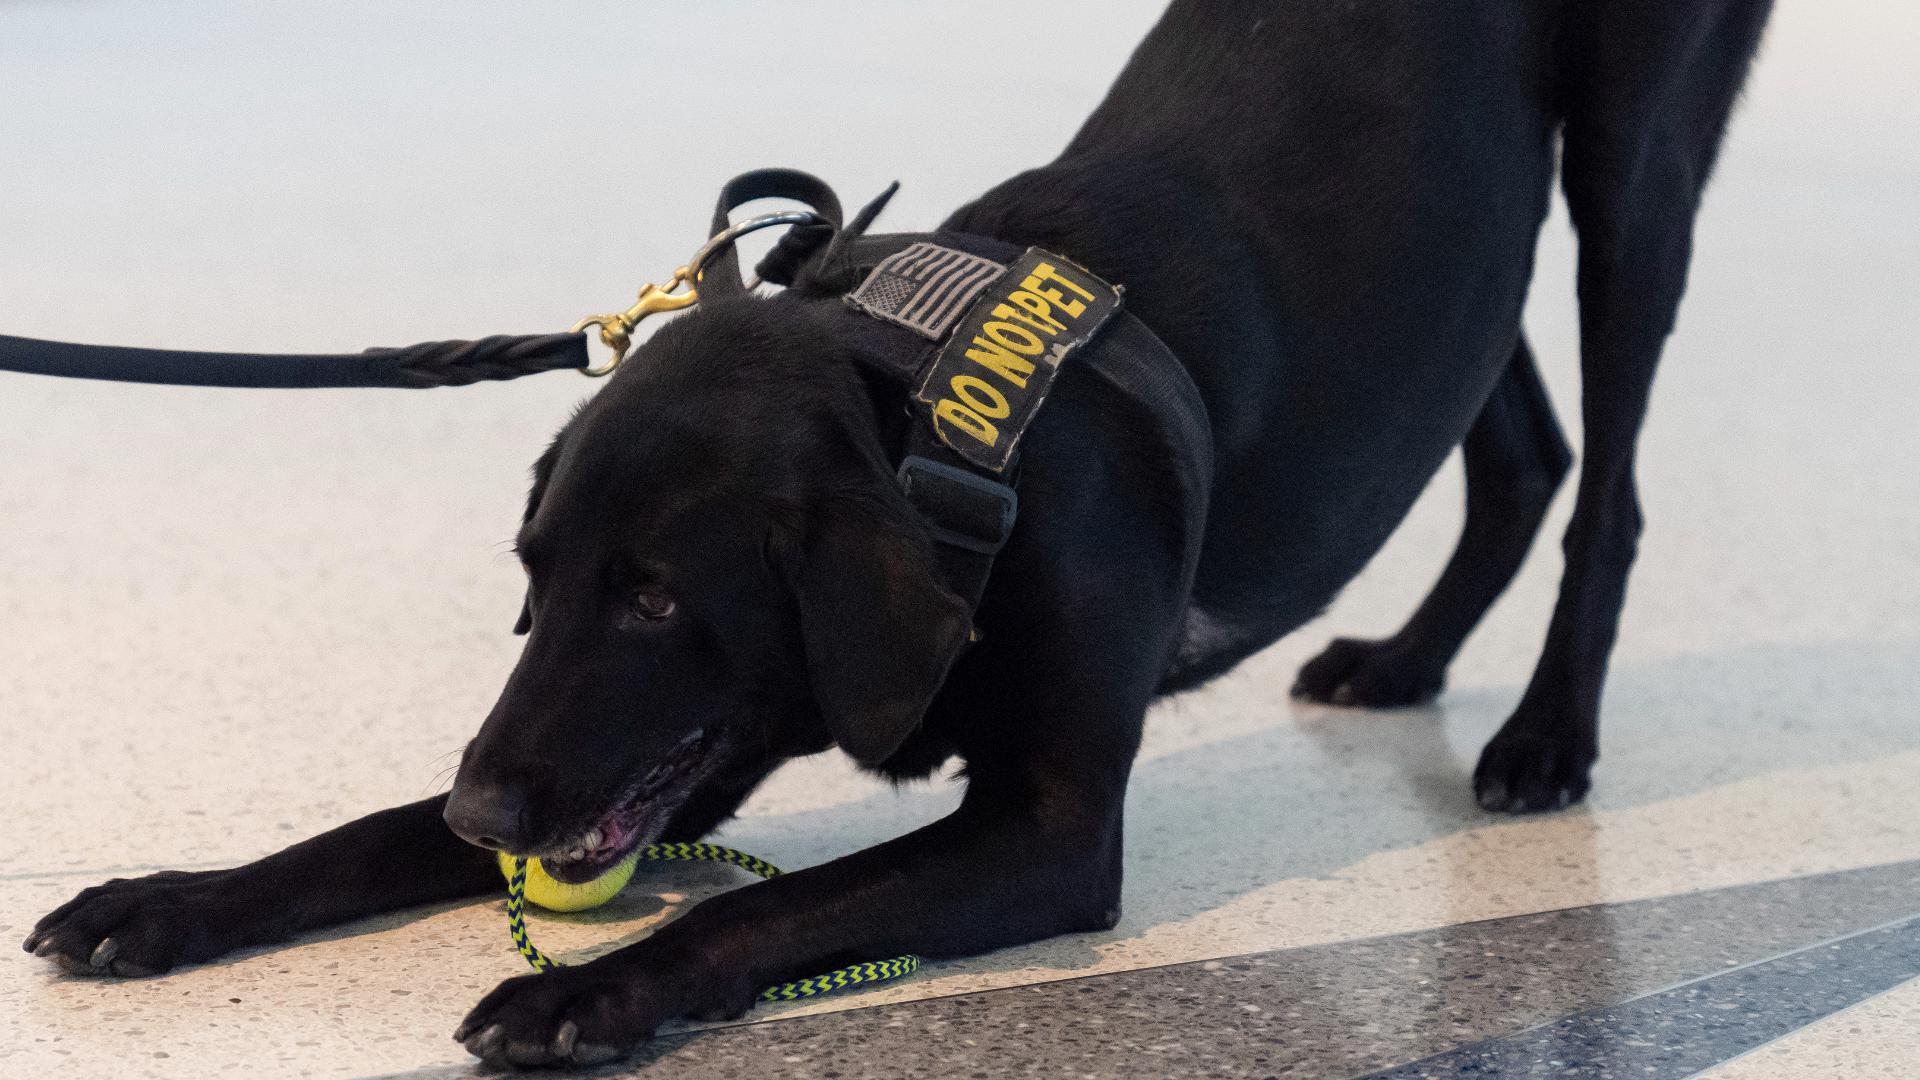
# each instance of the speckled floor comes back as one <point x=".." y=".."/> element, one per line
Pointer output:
<point x="1872" y="1039"/>
<point x="232" y="619"/>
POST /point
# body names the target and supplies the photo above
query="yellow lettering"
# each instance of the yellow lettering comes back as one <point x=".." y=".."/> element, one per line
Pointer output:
<point x="1046" y="272"/>
<point x="969" y="422"/>
<point x="1000" y="362"/>
<point x="981" y="396"/>
<point x="1023" y="341"/>
<point x="1073" y="308"/>
<point x="1038" y="308"/>
<point x="1008" y="311"/>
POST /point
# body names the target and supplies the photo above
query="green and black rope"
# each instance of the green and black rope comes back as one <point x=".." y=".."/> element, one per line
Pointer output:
<point x="874" y="971"/>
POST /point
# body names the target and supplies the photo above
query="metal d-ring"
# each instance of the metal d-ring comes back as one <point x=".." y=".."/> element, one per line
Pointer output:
<point x="723" y="239"/>
<point x="616" y="330"/>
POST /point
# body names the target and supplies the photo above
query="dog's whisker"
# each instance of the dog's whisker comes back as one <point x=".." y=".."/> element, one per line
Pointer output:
<point x="441" y="780"/>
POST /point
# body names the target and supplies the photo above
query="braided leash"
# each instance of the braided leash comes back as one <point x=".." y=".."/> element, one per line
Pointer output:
<point x="428" y="364"/>
<point x="873" y="971"/>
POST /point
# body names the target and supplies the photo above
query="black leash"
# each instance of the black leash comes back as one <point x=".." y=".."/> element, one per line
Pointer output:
<point x="415" y="367"/>
<point x="715" y="267"/>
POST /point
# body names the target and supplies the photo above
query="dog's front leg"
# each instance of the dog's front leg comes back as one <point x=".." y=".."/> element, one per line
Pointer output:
<point x="394" y="859"/>
<point x="1022" y="859"/>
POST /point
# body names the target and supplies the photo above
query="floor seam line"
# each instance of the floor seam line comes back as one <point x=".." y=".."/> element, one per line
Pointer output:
<point x="1862" y="1003"/>
<point x="1910" y="917"/>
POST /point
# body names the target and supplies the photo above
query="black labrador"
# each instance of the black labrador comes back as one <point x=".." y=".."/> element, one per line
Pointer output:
<point x="1329" y="213"/>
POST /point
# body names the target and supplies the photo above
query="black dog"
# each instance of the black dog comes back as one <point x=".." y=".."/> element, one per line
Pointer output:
<point x="1328" y="212"/>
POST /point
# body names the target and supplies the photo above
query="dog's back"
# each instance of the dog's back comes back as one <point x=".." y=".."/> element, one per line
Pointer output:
<point x="1329" y="212"/>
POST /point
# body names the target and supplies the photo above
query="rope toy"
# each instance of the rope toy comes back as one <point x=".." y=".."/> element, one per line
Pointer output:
<point x="528" y="881"/>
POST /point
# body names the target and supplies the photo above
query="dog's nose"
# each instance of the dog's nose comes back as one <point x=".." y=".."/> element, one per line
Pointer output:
<point x="489" y="815"/>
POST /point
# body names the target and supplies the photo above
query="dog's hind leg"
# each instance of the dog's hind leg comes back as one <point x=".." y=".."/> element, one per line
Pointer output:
<point x="1515" y="458"/>
<point x="1650" y="86"/>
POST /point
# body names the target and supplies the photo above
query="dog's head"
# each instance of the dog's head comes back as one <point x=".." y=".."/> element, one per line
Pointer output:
<point x="721" y="573"/>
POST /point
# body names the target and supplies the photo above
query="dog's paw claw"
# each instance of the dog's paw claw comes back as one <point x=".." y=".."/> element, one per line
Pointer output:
<point x="134" y="928"/>
<point x="564" y="1040"/>
<point x="1521" y="774"/>
<point x="487" y="1041"/>
<point x="574" y="1016"/>
<point x="592" y="1013"/>
<point x="1369" y="674"/>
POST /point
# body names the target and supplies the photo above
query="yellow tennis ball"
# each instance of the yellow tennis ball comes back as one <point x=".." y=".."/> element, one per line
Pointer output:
<point x="555" y="895"/>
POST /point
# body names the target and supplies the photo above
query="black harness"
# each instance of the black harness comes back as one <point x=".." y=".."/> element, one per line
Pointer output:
<point x="977" y="330"/>
<point x="974" y="328"/>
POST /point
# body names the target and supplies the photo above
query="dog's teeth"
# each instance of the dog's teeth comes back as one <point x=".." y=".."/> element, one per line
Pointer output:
<point x="593" y="840"/>
<point x="577" y="853"/>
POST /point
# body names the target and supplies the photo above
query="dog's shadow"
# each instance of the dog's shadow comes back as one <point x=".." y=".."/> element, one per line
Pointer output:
<point x="1307" y="792"/>
<point x="1206" y="823"/>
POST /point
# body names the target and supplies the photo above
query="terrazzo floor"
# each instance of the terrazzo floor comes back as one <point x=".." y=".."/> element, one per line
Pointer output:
<point x="231" y="619"/>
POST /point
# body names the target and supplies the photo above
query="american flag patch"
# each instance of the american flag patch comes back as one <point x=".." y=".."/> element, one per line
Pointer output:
<point x="925" y="288"/>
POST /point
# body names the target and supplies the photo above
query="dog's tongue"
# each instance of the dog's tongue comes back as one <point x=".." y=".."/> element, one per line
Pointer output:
<point x="616" y="835"/>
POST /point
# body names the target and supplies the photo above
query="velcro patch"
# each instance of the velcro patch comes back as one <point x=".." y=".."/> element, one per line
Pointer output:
<point x="987" y="382"/>
<point x="924" y="287"/>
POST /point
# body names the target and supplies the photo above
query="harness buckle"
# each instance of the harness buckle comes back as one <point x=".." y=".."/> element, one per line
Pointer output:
<point x="961" y="509"/>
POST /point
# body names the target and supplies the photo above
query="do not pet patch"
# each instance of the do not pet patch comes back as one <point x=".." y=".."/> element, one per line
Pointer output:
<point x="985" y="385"/>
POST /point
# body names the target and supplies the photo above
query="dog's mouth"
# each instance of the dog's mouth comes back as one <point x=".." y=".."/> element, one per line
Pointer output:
<point x="638" y="817"/>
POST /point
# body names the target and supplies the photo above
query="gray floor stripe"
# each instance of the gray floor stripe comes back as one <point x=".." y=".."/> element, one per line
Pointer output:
<point x="1678" y="1032"/>
<point x="1341" y="1009"/>
<point x="1863" y="1003"/>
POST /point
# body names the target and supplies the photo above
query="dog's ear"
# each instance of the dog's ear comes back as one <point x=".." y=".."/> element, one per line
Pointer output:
<point x="542" y="474"/>
<point x="879" y="629"/>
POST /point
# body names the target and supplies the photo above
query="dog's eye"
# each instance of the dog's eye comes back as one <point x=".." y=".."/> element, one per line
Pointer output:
<point x="650" y="605"/>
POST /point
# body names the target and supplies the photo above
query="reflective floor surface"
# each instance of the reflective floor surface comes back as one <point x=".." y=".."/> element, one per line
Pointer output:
<point x="232" y="619"/>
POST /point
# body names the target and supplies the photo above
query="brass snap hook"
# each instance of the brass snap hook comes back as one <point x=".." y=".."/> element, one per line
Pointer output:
<point x="616" y="330"/>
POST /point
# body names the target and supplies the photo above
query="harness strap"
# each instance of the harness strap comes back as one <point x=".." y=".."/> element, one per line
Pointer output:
<point x="795" y="246"/>
<point x="920" y="302"/>
<point x="969" y="515"/>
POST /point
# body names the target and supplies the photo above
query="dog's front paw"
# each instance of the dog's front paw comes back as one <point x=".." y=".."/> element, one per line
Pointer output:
<point x="139" y="926"/>
<point x="1370" y="674"/>
<point x="589" y="1014"/>
<point x="1522" y="772"/>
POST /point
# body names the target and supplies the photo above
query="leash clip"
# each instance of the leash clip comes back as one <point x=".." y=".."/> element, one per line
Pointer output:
<point x="616" y="331"/>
